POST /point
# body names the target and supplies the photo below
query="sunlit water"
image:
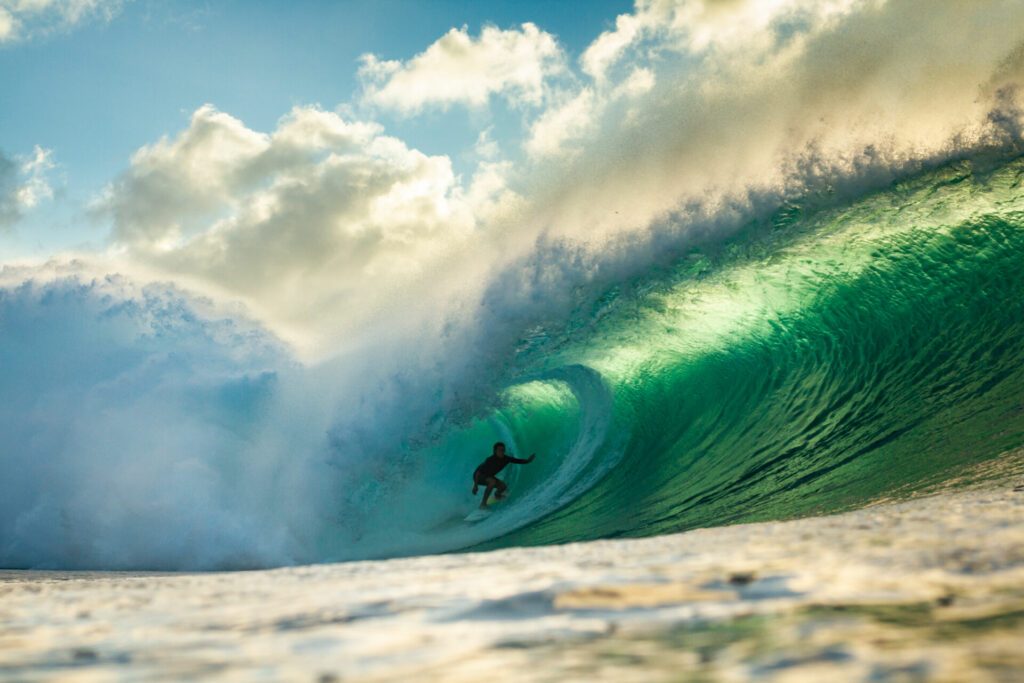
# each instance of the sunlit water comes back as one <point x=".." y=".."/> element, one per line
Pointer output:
<point x="930" y="589"/>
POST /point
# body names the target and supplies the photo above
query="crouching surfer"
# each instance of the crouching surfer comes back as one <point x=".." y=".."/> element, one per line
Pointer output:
<point x="485" y="474"/>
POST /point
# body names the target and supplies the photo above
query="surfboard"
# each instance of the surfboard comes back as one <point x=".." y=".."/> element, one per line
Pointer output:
<point x="481" y="514"/>
<point x="478" y="515"/>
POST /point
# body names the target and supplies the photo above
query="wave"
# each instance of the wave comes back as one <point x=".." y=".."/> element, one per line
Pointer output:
<point x="817" y="360"/>
<point x="823" y="355"/>
<point x="566" y="411"/>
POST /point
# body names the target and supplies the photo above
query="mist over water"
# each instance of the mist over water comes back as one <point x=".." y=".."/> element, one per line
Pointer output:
<point x="748" y="297"/>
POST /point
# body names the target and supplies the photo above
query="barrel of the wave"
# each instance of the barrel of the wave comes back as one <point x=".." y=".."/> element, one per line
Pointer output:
<point x="871" y="349"/>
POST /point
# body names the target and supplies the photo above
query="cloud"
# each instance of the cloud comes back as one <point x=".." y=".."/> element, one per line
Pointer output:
<point x="719" y="104"/>
<point x="704" y="26"/>
<point x="561" y="129"/>
<point x="486" y="147"/>
<point x="7" y="26"/>
<point x="173" y="181"/>
<point x="558" y="125"/>
<point x="312" y="225"/>
<point x="36" y="187"/>
<point x="458" y="69"/>
<point x="27" y="19"/>
<point x="10" y="209"/>
<point x="607" y="47"/>
<point x="24" y="185"/>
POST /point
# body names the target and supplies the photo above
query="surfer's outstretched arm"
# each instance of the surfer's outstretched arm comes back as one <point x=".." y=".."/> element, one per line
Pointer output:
<point x="521" y="461"/>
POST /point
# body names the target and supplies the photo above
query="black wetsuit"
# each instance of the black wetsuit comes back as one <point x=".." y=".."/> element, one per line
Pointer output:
<point x="492" y="465"/>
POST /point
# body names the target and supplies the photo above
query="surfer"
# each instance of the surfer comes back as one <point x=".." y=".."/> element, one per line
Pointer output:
<point x="485" y="474"/>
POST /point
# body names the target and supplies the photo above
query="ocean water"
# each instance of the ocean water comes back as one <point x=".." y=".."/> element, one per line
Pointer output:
<point x="926" y="590"/>
<point x="758" y="311"/>
<point x="835" y="352"/>
<point x="841" y="347"/>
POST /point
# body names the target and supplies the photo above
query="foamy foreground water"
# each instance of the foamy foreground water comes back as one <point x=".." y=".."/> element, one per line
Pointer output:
<point x="931" y="589"/>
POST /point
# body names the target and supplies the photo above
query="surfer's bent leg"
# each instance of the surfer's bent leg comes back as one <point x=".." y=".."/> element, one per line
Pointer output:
<point x="501" y="486"/>
<point x="492" y="483"/>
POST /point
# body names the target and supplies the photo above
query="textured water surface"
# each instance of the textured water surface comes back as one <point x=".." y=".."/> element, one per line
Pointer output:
<point x="837" y="352"/>
<point x="926" y="590"/>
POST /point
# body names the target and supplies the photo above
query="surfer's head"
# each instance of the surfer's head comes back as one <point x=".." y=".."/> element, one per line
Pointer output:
<point x="499" y="449"/>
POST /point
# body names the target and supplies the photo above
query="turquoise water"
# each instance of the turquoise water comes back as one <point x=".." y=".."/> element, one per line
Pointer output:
<point x="836" y="351"/>
<point x="815" y="361"/>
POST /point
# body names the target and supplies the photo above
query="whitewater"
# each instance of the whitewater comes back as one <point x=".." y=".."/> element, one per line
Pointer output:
<point x="762" y="322"/>
<point x="814" y="361"/>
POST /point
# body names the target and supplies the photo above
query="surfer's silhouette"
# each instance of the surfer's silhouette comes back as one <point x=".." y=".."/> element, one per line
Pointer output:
<point x="485" y="474"/>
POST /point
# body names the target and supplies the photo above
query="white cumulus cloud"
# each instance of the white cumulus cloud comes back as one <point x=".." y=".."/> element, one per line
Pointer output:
<point x="458" y="69"/>
<point x="319" y="216"/>
<point x="24" y="183"/>
<point x="607" y="47"/>
<point x="26" y="19"/>
<point x="558" y="125"/>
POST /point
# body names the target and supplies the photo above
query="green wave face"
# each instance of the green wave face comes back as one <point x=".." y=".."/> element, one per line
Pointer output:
<point x="810" y="365"/>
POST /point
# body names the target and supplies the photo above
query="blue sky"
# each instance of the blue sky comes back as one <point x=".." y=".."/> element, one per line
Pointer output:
<point x="95" y="92"/>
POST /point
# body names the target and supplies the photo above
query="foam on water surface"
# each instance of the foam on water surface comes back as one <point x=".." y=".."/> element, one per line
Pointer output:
<point x="926" y="589"/>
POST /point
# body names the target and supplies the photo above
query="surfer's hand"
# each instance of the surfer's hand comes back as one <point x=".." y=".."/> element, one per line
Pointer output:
<point x="532" y="456"/>
<point x="474" y="489"/>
